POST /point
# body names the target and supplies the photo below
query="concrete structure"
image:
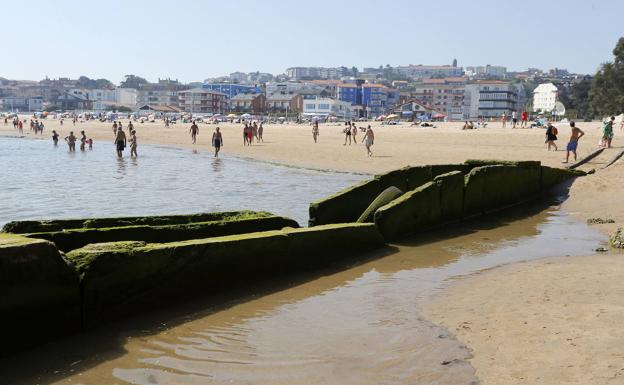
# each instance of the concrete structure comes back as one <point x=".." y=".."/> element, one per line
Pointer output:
<point x="250" y="103"/>
<point x="201" y="100"/>
<point x="544" y="97"/>
<point x="446" y="96"/>
<point x="418" y="72"/>
<point x="487" y="72"/>
<point x="310" y="73"/>
<point x="284" y="102"/>
<point x="327" y="107"/>
<point x="492" y="98"/>
<point x="232" y="89"/>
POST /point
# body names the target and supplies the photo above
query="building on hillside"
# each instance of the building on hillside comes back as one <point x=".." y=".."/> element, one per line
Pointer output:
<point x="486" y="72"/>
<point x="274" y="87"/>
<point x="232" y="89"/>
<point x="544" y="97"/>
<point x="284" y="102"/>
<point x="126" y="97"/>
<point x="311" y="73"/>
<point x="492" y="99"/>
<point x="201" y="100"/>
<point x="374" y="99"/>
<point x="162" y="93"/>
<point x="250" y="103"/>
<point x="446" y="96"/>
<point x="67" y="101"/>
<point x="324" y="107"/>
<point x="21" y="104"/>
<point x="419" y="72"/>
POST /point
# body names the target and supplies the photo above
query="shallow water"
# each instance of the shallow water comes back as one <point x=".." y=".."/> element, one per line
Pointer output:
<point x="40" y="181"/>
<point x="358" y="326"/>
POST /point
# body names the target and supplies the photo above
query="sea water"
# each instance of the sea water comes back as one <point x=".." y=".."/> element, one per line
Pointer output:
<point x="40" y="181"/>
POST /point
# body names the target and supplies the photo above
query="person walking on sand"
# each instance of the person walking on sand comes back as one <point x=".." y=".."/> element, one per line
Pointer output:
<point x="607" y="133"/>
<point x="83" y="140"/>
<point x="354" y="132"/>
<point x="194" y="130"/>
<point x="576" y="134"/>
<point x="514" y="119"/>
<point x="217" y="141"/>
<point x="504" y="119"/>
<point x="133" y="144"/>
<point x="55" y="137"/>
<point x="245" y="134"/>
<point x="71" y="141"/>
<point x="551" y="136"/>
<point x="369" y="140"/>
<point x="315" y="130"/>
<point x="347" y="132"/>
<point x="524" y="119"/>
<point x="120" y="142"/>
<point x="255" y="131"/>
<point x="260" y="132"/>
<point x="20" y="127"/>
<point x="115" y="128"/>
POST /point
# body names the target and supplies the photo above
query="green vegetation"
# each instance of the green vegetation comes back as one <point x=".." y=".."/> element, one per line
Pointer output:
<point x="607" y="89"/>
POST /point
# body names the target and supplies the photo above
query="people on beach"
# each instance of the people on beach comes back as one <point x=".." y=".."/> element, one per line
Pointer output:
<point x="71" y="141"/>
<point x="369" y="140"/>
<point x="504" y="119"/>
<point x="260" y="132"/>
<point x="354" y="132"/>
<point x="120" y="141"/>
<point x="115" y="128"/>
<point x="20" y="127"/>
<point x="217" y="141"/>
<point x="551" y="136"/>
<point x="194" y="130"/>
<point x="514" y="119"/>
<point x="468" y="126"/>
<point x="133" y="143"/>
<point x="575" y="135"/>
<point x="83" y="140"/>
<point x="55" y="137"/>
<point x="255" y="131"/>
<point x="347" y="132"/>
<point x="524" y="119"/>
<point x="315" y="130"/>
<point x="90" y="143"/>
<point x="607" y="133"/>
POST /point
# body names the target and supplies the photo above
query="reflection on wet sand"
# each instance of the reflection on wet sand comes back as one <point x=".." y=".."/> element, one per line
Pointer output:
<point x="360" y="326"/>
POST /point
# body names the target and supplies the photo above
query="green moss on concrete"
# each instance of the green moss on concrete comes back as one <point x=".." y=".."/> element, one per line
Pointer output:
<point x="415" y="211"/>
<point x="417" y="176"/>
<point x="440" y="169"/>
<point x="386" y="196"/>
<point x="507" y="185"/>
<point x="396" y="178"/>
<point x="22" y="227"/>
<point x="231" y="224"/>
<point x="345" y="206"/>
<point x="474" y="185"/>
<point x="492" y="162"/>
<point x="554" y="176"/>
<point x="39" y="293"/>
<point x="451" y="196"/>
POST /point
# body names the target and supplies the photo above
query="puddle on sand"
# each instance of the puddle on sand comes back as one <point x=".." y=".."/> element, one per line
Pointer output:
<point x="359" y="326"/>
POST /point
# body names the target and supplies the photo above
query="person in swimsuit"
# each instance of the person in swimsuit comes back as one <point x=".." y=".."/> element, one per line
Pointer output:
<point x="71" y="141"/>
<point x="369" y="140"/>
<point x="354" y="132"/>
<point x="525" y="118"/>
<point x="573" y="143"/>
<point x="55" y="137"/>
<point x="607" y="133"/>
<point x="120" y="141"/>
<point x="551" y="136"/>
<point x="255" y="131"/>
<point x="194" y="130"/>
<point x="83" y="140"/>
<point x="245" y="133"/>
<point x="347" y="132"/>
<point x="315" y="130"/>
<point x="217" y="141"/>
<point x="504" y="119"/>
<point x="133" y="144"/>
<point x="260" y="132"/>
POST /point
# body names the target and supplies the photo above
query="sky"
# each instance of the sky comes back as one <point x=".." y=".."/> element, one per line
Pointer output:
<point x="193" y="40"/>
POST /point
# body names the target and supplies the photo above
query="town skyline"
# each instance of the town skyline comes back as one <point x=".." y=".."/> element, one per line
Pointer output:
<point x="205" y="40"/>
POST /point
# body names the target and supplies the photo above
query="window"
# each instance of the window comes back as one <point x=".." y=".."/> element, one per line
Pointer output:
<point x="310" y="106"/>
<point x="324" y="106"/>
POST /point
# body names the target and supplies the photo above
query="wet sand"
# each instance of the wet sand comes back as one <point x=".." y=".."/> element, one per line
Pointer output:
<point x="360" y="325"/>
<point x="395" y="146"/>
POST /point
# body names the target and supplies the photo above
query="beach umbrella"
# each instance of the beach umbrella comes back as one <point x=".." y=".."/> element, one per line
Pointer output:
<point x="392" y="116"/>
<point x="438" y="116"/>
<point x="231" y="116"/>
<point x="246" y="116"/>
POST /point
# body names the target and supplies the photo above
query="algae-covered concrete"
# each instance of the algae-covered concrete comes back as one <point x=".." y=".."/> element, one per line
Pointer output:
<point x="386" y="196"/>
<point x="345" y="206"/>
<point x="39" y="293"/>
<point x="242" y="223"/>
<point x="451" y="196"/>
<point x="118" y="276"/>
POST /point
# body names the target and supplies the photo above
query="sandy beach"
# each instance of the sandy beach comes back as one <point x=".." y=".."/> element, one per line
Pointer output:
<point x="547" y="322"/>
<point x="395" y="146"/>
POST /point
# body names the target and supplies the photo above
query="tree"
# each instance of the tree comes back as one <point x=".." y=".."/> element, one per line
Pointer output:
<point x="133" y="81"/>
<point x="85" y="82"/>
<point x="607" y="89"/>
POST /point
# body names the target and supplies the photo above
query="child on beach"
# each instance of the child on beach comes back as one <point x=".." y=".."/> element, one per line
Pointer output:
<point x="90" y="143"/>
<point x="576" y="134"/>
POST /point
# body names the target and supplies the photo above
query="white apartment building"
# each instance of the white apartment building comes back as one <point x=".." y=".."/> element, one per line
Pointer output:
<point x="487" y="71"/>
<point x="492" y="99"/>
<point x="417" y="72"/>
<point x="152" y="97"/>
<point x="126" y="97"/>
<point x="544" y="97"/>
<point x="326" y="107"/>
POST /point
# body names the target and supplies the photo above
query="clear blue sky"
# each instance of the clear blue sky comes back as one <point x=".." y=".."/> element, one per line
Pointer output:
<point x="194" y="39"/>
